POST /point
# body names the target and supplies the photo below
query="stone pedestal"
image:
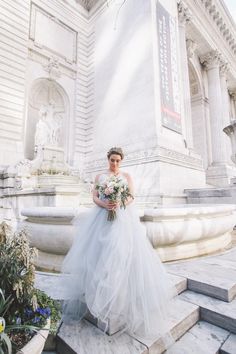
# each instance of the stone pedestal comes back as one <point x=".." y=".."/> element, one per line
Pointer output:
<point x="50" y="160"/>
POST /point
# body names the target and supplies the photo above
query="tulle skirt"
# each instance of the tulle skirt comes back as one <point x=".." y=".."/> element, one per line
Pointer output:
<point x="113" y="271"/>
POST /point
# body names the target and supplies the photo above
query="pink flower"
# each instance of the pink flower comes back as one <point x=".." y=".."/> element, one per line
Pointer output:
<point x="108" y="191"/>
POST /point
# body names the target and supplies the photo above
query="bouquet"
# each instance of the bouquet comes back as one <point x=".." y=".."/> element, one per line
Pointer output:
<point x="114" y="189"/>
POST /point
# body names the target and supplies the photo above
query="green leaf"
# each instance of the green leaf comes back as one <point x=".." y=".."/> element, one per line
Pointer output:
<point x="7" y="341"/>
<point x="12" y="327"/>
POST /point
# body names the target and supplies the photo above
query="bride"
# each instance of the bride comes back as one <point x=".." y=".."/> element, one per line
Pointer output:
<point x="113" y="272"/>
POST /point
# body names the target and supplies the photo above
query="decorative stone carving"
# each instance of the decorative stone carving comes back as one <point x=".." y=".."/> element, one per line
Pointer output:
<point x="48" y="128"/>
<point x="224" y="69"/>
<point x="53" y="68"/>
<point x="87" y="4"/>
<point x="184" y="13"/>
<point x="158" y="153"/>
<point x="224" y="26"/>
<point x="211" y="59"/>
<point x="191" y="47"/>
<point x="230" y="130"/>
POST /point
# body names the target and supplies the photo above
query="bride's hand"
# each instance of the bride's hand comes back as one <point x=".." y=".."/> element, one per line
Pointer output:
<point x="110" y="205"/>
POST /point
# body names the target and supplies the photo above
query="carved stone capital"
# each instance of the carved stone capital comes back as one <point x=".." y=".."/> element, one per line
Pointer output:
<point x="184" y="13"/>
<point x="212" y="59"/>
<point x="191" y="47"/>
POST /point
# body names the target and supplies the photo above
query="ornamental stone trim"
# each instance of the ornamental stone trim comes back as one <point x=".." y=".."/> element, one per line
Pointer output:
<point x="159" y="153"/>
<point x="184" y="13"/>
<point x="226" y="28"/>
<point x="224" y="69"/>
<point x="87" y="4"/>
<point x="53" y="69"/>
<point x="212" y="59"/>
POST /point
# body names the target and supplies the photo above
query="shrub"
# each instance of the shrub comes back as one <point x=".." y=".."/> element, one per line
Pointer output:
<point x="24" y="308"/>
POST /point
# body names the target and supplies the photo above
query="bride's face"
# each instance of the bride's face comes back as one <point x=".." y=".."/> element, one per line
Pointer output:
<point x="114" y="162"/>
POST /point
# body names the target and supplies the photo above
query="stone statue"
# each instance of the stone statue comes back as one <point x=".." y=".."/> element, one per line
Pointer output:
<point x="48" y="128"/>
<point x="42" y="129"/>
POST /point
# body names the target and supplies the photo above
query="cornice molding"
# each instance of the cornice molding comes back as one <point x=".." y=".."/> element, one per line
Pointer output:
<point x="184" y="13"/>
<point x="222" y="20"/>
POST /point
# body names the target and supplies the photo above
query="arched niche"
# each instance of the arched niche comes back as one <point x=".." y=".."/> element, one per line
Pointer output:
<point x="42" y="93"/>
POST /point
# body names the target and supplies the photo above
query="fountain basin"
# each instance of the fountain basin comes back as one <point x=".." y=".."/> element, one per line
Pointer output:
<point x="176" y="232"/>
<point x="184" y="231"/>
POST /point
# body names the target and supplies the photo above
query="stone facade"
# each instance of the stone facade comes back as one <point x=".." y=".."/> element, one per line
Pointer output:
<point x="155" y="77"/>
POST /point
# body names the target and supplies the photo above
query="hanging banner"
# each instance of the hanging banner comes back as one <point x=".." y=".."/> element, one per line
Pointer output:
<point x="169" y="79"/>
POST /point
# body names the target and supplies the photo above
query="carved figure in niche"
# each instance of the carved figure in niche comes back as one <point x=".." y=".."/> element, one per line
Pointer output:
<point x="42" y="129"/>
<point x="48" y="128"/>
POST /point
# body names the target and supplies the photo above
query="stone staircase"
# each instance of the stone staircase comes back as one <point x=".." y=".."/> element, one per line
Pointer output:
<point x="202" y="321"/>
<point x="211" y="285"/>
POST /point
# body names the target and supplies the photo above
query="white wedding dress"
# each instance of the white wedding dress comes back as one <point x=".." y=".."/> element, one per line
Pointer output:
<point x="114" y="272"/>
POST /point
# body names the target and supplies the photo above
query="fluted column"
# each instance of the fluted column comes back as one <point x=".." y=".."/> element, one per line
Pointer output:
<point x="184" y="18"/>
<point x="212" y="62"/>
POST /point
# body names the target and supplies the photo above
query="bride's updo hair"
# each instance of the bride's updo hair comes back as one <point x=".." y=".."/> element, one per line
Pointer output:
<point x="115" y="151"/>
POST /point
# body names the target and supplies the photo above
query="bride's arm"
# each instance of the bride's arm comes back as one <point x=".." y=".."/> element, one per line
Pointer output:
<point x="131" y="189"/>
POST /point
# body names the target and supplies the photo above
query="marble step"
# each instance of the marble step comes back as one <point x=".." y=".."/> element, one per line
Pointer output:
<point x="113" y="327"/>
<point x="219" y="313"/>
<point x="229" y="346"/>
<point x="52" y="284"/>
<point x="84" y="337"/>
<point x="202" y="338"/>
<point x="208" y="278"/>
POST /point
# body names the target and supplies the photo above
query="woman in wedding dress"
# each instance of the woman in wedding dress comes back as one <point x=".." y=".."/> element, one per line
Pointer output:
<point x="113" y="271"/>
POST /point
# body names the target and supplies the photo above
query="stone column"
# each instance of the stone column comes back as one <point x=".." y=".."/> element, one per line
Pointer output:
<point x="212" y="62"/>
<point x="225" y="111"/>
<point x="184" y="18"/>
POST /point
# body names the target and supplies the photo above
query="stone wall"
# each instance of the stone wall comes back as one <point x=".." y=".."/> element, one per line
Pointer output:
<point x="14" y="18"/>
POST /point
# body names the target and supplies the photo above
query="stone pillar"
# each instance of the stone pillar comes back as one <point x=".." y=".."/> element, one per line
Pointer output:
<point x="212" y="62"/>
<point x="217" y="173"/>
<point x="184" y="18"/>
<point x="225" y="111"/>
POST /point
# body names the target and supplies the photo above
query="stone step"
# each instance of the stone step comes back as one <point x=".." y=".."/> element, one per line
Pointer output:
<point x="202" y="338"/>
<point x="208" y="278"/>
<point x="229" y="346"/>
<point x="113" y="327"/>
<point x="85" y="338"/>
<point x="219" y="313"/>
<point x="52" y="283"/>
